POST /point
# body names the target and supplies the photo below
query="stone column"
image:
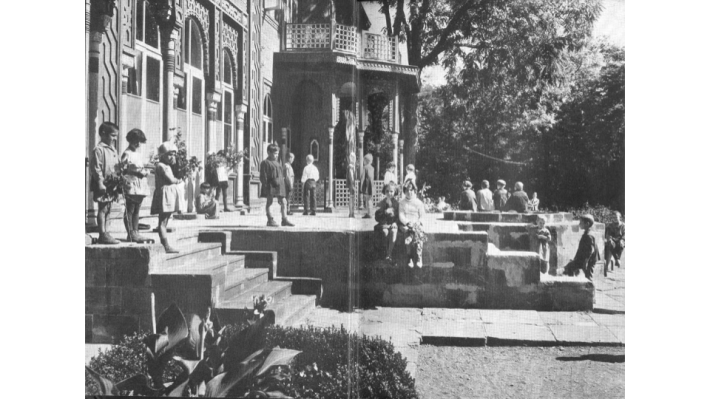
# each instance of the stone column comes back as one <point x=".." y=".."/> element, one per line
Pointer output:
<point x="361" y="151"/>
<point x="401" y="161"/>
<point x="169" y="116"/>
<point x="377" y="162"/>
<point x="99" y="14"/>
<point x="213" y="97"/>
<point x="331" y="185"/>
<point x="240" y="110"/>
<point x="284" y="147"/>
<point x="395" y="151"/>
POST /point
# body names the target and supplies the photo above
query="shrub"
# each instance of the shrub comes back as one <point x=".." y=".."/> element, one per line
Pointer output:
<point x="338" y="364"/>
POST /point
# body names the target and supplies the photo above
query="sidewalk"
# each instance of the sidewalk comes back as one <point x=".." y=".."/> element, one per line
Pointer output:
<point x="408" y="328"/>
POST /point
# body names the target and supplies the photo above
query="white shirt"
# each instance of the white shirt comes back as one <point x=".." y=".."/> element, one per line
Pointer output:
<point x="485" y="199"/>
<point x="411" y="176"/>
<point x="310" y="172"/>
<point x="390" y="177"/>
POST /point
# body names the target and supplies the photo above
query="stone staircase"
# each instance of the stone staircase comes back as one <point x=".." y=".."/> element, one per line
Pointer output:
<point x="122" y="281"/>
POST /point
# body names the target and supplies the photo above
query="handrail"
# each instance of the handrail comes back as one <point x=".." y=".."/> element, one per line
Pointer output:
<point x="340" y="38"/>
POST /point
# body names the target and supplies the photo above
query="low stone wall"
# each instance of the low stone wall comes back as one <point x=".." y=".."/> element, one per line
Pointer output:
<point x="507" y="217"/>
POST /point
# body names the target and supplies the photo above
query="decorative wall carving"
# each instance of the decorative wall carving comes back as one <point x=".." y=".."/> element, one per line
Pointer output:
<point x="230" y="41"/>
<point x="239" y="16"/>
<point x="127" y="23"/>
<point x="256" y="88"/>
<point x="110" y="72"/>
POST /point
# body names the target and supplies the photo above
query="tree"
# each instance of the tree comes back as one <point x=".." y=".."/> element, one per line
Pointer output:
<point x="483" y="32"/>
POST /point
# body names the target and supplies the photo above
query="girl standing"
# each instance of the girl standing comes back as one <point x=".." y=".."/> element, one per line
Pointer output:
<point x="411" y="212"/>
<point x="166" y="199"/>
<point x="135" y="184"/>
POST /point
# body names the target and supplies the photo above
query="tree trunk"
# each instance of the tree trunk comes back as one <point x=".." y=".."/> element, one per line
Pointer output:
<point x="410" y="127"/>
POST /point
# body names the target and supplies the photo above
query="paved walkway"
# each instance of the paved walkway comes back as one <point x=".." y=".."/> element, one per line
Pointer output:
<point x="407" y="328"/>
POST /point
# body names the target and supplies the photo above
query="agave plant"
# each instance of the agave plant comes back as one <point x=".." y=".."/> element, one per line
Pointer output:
<point x="208" y="368"/>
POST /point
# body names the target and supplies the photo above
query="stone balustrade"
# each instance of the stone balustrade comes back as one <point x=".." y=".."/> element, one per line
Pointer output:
<point x="341" y="38"/>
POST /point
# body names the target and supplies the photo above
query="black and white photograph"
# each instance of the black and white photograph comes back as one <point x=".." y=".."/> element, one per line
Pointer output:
<point x="355" y="199"/>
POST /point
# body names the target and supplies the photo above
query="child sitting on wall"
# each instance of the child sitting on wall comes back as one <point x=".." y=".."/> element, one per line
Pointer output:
<point x="411" y="212"/>
<point x="206" y="203"/>
<point x="587" y="251"/>
<point x="386" y="216"/>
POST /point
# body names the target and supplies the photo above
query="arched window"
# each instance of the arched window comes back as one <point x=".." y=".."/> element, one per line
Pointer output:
<point x="193" y="58"/>
<point x="225" y="109"/>
<point x="315" y="149"/>
<point x="146" y="27"/>
<point x="268" y="121"/>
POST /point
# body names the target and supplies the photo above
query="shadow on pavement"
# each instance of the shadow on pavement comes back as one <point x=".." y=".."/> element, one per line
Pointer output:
<point x="594" y="358"/>
<point x="608" y="311"/>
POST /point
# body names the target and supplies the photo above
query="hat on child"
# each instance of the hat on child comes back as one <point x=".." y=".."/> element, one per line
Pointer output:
<point x="467" y="184"/>
<point x="589" y="218"/>
<point x="501" y="182"/>
<point x="166" y="147"/>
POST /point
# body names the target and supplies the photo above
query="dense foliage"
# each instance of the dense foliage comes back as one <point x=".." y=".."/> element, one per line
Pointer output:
<point x="333" y="362"/>
<point x="564" y="140"/>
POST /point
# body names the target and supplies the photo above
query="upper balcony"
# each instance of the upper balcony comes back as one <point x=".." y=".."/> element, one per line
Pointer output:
<point x="341" y="38"/>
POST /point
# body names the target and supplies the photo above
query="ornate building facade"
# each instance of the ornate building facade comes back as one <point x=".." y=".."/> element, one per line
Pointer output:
<point x="241" y="73"/>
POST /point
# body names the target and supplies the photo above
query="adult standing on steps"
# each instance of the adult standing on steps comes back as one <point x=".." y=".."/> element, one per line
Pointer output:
<point x="518" y="202"/>
<point x="273" y="184"/>
<point x="309" y="179"/>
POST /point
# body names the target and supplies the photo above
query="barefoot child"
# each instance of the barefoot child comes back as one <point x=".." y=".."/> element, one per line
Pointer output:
<point x="273" y="184"/>
<point x="543" y="244"/>
<point x="206" y="203"/>
<point x="615" y="237"/>
<point x="352" y="184"/>
<point x="135" y="186"/>
<point x="386" y="215"/>
<point x="102" y="165"/>
<point x="368" y="184"/>
<point x="587" y="252"/>
<point x="166" y="198"/>
<point x="411" y="212"/>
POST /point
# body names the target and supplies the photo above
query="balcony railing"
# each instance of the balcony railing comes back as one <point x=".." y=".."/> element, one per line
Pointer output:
<point x="341" y="38"/>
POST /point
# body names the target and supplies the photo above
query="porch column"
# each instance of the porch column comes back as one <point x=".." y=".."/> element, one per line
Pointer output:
<point x="98" y="18"/>
<point x="395" y="151"/>
<point x="377" y="162"/>
<point x="284" y="148"/>
<point x="213" y="97"/>
<point x="401" y="161"/>
<point x="331" y="183"/>
<point x="169" y="25"/>
<point x="240" y="111"/>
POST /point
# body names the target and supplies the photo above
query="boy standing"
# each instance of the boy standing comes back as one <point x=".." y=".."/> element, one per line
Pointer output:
<point x="485" y="197"/>
<point x="615" y="236"/>
<point x="102" y="165"/>
<point x="290" y="177"/>
<point x="587" y="252"/>
<point x="206" y="203"/>
<point x="543" y="244"/>
<point x="273" y="184"/>
<point x="309" y="179"/>
<point x="500" y="196"/>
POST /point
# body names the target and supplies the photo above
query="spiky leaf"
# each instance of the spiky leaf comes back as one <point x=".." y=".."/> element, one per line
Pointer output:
<point x="221" y="385"/>
<point x="108" y="388"/>
<point x="277" y="357"/>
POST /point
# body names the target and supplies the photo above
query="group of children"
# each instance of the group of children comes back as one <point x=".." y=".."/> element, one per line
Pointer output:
<point x="484" y="200"/>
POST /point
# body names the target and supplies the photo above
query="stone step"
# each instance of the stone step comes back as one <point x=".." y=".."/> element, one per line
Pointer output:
<point x="275" y="289"/>
<point x="193" y="252"/>
<point x="244" y="280"/>
<point x="293" y="308"/>
<point x="205" y="281"/>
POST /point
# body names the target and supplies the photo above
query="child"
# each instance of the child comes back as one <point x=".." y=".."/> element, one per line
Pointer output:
<point x="390" y="174"/>
<point x="166" y="198"/>
<point x="411" y="176"/>
<point x="220" y="181"/>
<point x="352" y="184"/>
<point x="206" y="203"/>
<point x="534" y="203"/>
<point x="309" y="178"/>
<point x="368" y="184"/>
<point x="485" y="198"/>
<point x="543" y="244"/>
<point x="103" y="164"/>
<point x="587" y="252"/>
<point x="442" y="206"/>
<point x="288" y="168"/>
<point x="411" y="212"/>
<point x="467" y="198"/>
<point x="135" y="186"/>
<point x="273" y="184"/>
<point x="500" y="196"/>
<point x="615" y="237"/>
<point x="386" y="215"/>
